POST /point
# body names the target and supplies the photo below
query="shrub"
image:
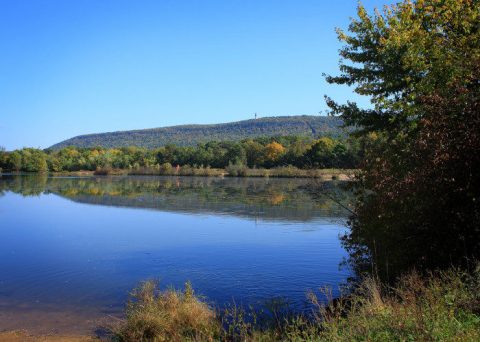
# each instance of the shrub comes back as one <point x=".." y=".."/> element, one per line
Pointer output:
<point x="166" y="169"/>
<point x="154" y="315"/>
<point x="236" y="170"/>
<point x="104" y="171"/>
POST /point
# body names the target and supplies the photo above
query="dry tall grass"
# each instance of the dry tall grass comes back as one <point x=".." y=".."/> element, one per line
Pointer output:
<point x="442" y="307"/>
<point x="154" y="315"/>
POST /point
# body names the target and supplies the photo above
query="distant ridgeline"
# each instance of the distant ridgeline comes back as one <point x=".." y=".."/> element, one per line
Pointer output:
<point x="190" y="135"/>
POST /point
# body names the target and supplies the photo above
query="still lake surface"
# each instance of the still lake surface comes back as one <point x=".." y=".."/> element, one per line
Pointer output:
<point x="71" y="248"/>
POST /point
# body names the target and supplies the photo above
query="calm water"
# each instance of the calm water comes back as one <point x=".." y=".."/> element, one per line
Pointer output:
<point x="81" y="244"/>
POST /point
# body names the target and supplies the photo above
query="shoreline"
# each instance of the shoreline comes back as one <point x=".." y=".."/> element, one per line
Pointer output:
<point x="25" y="336"/>
<point x="319" y="174"/>
<point x="419" y="306"/>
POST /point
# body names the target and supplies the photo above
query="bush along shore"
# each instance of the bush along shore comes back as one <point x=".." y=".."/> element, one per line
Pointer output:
<point x="443" y="306"/>
<point x="236" y="170"/>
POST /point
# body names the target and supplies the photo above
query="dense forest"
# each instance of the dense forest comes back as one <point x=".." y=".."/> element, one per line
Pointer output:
<point x="191" y="135"/>
<point x="301" y="152"/>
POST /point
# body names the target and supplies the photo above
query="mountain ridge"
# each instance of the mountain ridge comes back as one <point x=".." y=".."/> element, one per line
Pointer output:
<point x="192" y="134"/>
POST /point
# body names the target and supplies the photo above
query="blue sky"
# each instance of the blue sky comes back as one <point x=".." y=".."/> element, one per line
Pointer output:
<point x="77" y="67"/>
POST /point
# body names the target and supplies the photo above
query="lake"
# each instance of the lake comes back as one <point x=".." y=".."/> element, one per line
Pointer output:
<point x="71" y="248"/>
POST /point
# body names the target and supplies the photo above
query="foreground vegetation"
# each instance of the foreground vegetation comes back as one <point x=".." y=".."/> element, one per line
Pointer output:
<point x="444" y="306"/>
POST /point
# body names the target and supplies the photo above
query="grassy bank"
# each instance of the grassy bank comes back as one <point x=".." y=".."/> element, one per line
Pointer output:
<point x="230" y="171"/>
<point x="235" y="171"/>
<point x="442" y="307"/>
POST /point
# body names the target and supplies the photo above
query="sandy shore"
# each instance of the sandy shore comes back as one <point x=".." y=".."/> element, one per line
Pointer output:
<point x="18" y="323"/>
<point x="21" y="336"/>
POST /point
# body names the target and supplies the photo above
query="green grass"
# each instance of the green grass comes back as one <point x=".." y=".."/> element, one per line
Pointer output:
<point x="441" y="307"/>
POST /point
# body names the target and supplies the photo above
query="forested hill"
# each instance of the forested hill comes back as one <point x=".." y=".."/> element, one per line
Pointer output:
<point x="188" y="135"/>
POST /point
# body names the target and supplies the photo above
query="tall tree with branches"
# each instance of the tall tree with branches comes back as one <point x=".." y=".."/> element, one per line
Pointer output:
<point x="418" y="193"/>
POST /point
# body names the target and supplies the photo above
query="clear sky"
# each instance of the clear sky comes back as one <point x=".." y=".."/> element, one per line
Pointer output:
<point x="87" y="66"/>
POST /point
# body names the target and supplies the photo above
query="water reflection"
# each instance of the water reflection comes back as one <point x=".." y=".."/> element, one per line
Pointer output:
<point x="259" y="198"/>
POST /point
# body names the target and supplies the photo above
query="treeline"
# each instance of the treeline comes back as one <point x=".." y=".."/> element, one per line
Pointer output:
<point x="271" y="152"/>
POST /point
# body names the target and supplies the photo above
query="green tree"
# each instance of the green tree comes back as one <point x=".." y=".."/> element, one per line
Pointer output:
<point x="34" y="160"/>
<point x="15" y="161"/>
<point x="419" y="64"/>
<point x="320" y="154"/>
<point x="3" y="158"/>
<point x="254" y="153"/>
<point x="235" y="154"/>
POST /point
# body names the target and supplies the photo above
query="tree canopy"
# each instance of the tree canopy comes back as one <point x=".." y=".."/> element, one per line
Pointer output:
<point x="418" y="203"/>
